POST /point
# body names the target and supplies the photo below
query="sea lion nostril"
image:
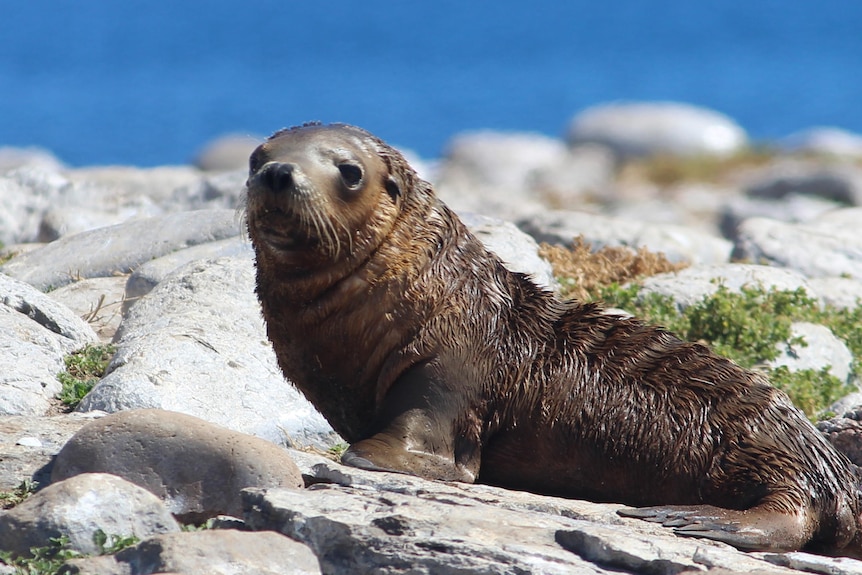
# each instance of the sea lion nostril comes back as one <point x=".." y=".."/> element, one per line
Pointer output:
<point x="278" y="177"/>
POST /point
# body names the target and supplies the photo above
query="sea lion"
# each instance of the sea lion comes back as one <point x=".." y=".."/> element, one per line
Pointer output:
<point x="431" y="358"/>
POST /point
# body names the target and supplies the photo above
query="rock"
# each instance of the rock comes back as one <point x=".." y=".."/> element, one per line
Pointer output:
<point x="841" y="183"/>
<point x="381" y="522"/>
<point x="12" y="158"/>
<point x="228" y="152"/>
<point x="649" y="128"/>
<point x="844" y="220"/>
<point x="196" y="344"/>
<point x="504" y="161"/>
<point x="119" y="249"/>
<point x="78" y="508"/>
<point x="25" y="193"/>
<point x="195" y="467"/>
<point x="145" y="278"/>
<point x="691" y="204"/>
<point x="37" y="333"/>
<point x="28" y="445"/>
<point x="491" y="172"/>
<point x="825" y="140"/>
<point x="678" y="243"/>
<point x="581" y="177"/>
<point x="124" y="186"/>
<point x="815" y="564"/>
<point x="792" y="208"/>
<point x="218" y="552"/>
<point x="99" y="301"/>
<point x="828" y="246"/>
<point x="842" y="293"/>
<point x="214" y="191"/>
<point x="102" y="196"/>
<point x="30" y="359"/>
<point x="692" y="284"/>
<point x="73" y="332"/>
<point x="845" y="432"/>
<point x="518" y="251"/>
<point x="821" y="349"/>
<point x="57" y="222"/>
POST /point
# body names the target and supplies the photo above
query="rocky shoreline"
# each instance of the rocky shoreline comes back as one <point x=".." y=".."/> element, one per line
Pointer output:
<point x="156" y="261"/>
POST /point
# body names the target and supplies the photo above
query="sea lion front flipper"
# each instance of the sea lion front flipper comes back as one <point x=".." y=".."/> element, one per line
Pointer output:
<point x="419" y="422"/>
<point x="382" y="453"/>
<point x="755" y="529"/>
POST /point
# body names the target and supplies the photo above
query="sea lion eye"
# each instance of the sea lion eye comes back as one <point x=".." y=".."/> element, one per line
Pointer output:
<point x="255" y="161"/>
<point x="351" y="174"/>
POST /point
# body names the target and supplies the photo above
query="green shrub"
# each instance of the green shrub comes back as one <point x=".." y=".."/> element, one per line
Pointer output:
<point x="747" y="327"/>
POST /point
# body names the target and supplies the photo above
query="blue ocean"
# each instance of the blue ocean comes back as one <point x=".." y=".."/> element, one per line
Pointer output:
<point x="148" y="83"/>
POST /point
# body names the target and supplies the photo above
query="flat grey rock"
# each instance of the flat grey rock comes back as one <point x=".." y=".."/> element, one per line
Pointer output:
<point x="367" y="522"/>
<point x="147" y="276"/>
<point x="99" y="301"/>
<point x="36" y="333"/>
<point x="196" y="344"/>
<point x="678" y="243"/>
<point x="217" y="552"/>
<point x="29" y="443"/>
<point x="692" y="284"/>
<point x="829" y="246"/>
<point x="124" y="186"/>
<point x="120" y="248"/>
<point x="843" y="293"/>
<point x="25" y="193"/>
<point x="838" y="182"/>
<point x="492" y="173"/>
<point x="72" y="332"/>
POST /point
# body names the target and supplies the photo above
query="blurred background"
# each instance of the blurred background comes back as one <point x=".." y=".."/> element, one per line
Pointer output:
<point x="149" y="83"/>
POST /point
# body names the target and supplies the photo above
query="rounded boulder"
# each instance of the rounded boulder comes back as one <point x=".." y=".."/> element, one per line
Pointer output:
<point x="196" y="467"/>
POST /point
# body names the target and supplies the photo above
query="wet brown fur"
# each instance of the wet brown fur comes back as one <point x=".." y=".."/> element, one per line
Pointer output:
<point x="431" y="358"/>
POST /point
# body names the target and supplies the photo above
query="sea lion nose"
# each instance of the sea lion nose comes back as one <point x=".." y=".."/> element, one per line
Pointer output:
<point x="278" y="177"/>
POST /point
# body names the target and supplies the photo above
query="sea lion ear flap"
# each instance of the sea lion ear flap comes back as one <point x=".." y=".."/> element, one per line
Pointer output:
<point x="393" y="188"/>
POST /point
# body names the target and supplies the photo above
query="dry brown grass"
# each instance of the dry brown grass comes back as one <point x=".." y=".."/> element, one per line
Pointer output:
<point x="581" y="271"/>
<point x="669" y="170"/>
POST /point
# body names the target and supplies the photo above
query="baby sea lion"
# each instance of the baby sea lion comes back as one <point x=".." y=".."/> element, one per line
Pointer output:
<point x="431" y="358"/>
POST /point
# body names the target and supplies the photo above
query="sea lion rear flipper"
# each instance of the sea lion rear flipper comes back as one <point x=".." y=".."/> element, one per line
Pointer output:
<point x="752" y="529"/>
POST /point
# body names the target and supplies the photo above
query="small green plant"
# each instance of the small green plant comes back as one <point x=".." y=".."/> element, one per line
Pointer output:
<point x="337" y="450"/>
<point x="110" y="544"/>
<point x="84" y="368"/>
<point x="747" y="327"/>
<point x="49" y="559"/>
<point x="45" y="560"/>
<point x="205" y="526"/>
<point x="9" y="499"/>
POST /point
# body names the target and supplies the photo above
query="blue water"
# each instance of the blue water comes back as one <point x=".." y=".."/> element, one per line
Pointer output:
<point x="149" y="83"/>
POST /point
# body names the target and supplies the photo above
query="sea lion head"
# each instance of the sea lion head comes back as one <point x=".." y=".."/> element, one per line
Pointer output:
<point x="323" y="196"/>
